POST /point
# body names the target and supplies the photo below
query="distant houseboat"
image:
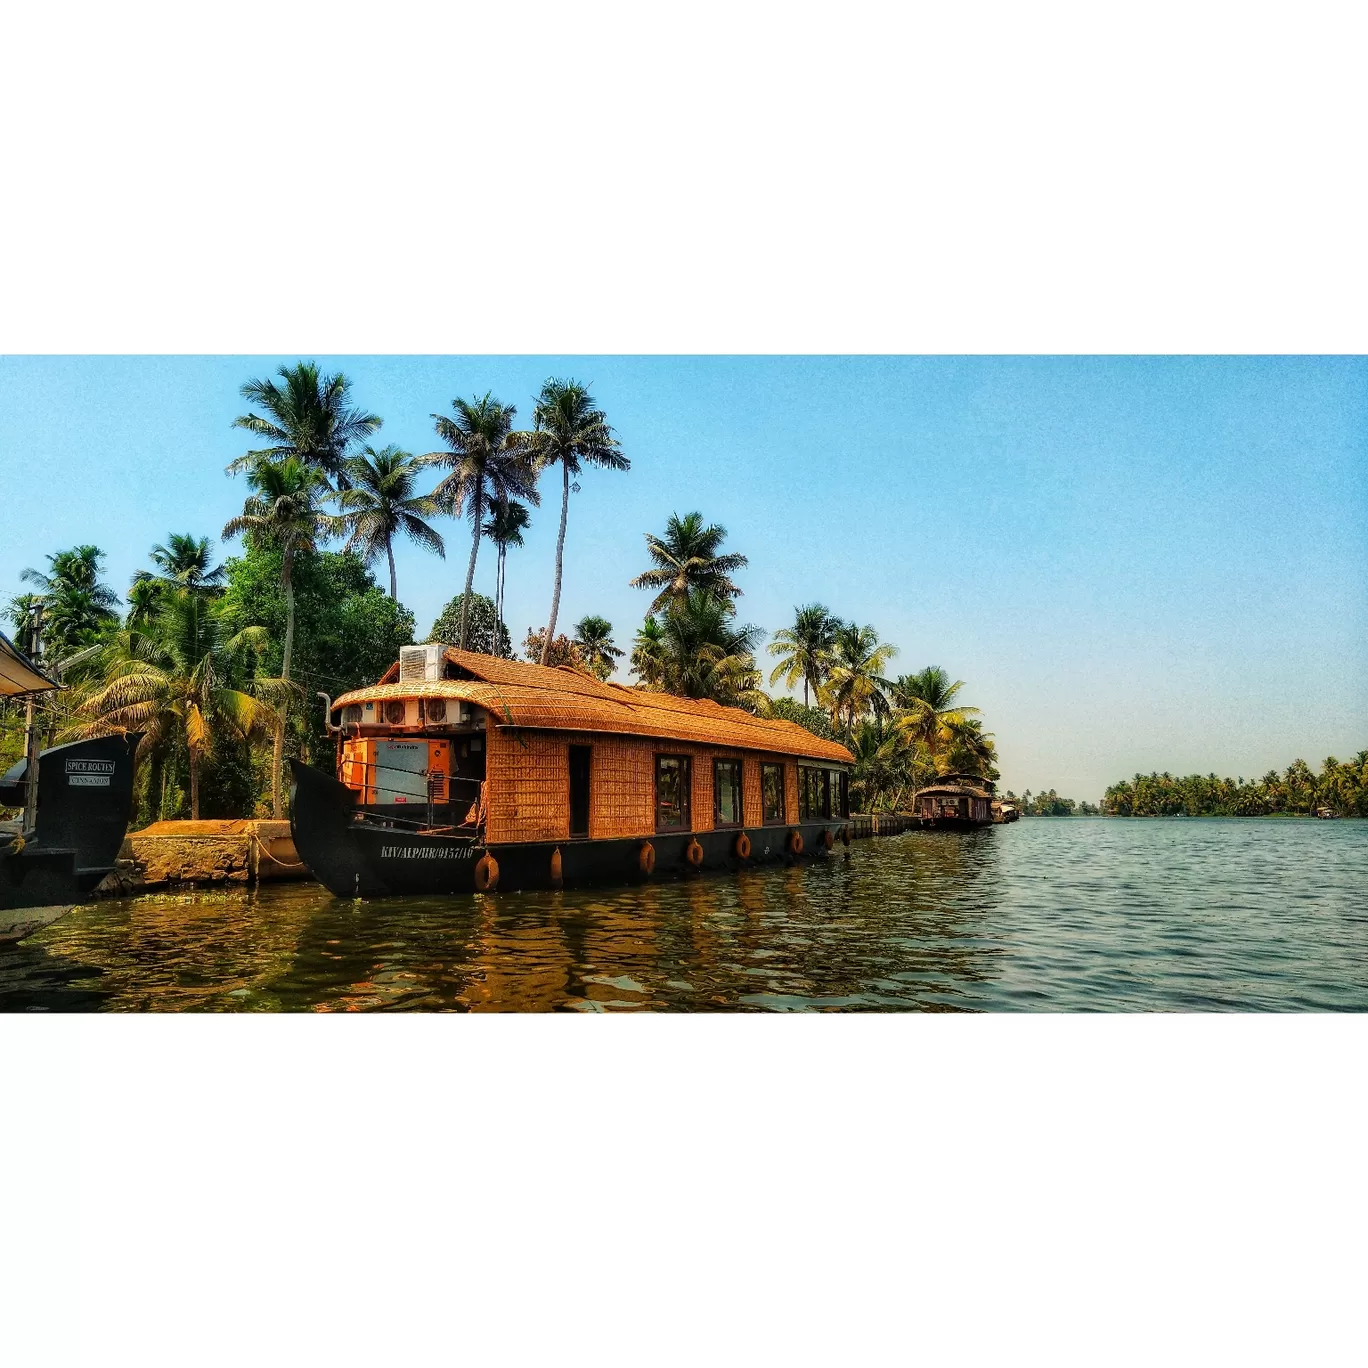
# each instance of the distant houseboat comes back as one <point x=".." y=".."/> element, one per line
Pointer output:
<point x="1004" y="811"/>
<point x="957" y="802"/>
<point x="459" y="772"/>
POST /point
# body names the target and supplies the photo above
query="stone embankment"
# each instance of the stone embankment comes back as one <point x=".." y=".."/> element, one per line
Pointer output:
<point x="208" y="852"/>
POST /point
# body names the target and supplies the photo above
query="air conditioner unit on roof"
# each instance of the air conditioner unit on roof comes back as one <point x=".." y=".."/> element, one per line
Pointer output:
<point x="421" y="664"/>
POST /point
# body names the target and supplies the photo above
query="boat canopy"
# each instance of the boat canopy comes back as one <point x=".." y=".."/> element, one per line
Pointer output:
<point x="960" y="784"/>
<point x="565" y="699"/>
<point x="19" y="676"/>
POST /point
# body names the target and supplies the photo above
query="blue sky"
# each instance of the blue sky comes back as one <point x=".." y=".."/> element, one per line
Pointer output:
<point x="1134" y="563"/>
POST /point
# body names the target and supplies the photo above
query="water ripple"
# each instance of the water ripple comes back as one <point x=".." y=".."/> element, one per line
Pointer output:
<point x="1072" y="915"/>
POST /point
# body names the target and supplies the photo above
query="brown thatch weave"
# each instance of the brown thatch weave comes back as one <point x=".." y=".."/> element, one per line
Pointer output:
<point x="528" y="696"/>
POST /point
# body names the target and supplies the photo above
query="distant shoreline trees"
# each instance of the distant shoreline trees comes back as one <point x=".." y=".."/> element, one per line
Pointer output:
<point x="1340" y="786"/>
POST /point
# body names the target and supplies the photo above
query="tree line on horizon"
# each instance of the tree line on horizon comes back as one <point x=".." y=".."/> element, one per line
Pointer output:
<point x="216" y="664"/>
<point x="1340" y="786"/>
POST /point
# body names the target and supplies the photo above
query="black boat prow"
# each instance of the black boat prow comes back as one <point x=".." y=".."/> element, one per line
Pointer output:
<point x="359" y="854"/>
<point x="85" y="795"/>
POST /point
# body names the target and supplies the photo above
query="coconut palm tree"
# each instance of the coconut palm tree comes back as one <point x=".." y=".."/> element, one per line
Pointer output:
<point x="77" y="606"/>
<point x="854" y="665"/>
<point x="175" y="681"/>
<point x="572" y="432"/>
<point x="686" y="557"/>
<point x="310" y="418"/>
<point x="489" y="464"/>
<point x="802" y="648"/>
<point x="698" y="651"/>
<point x="648" y="654"/>
<point x="22" y="612"/>
<point x="505" y="529"/>
<point x="283" y="511"/>
<point x="967" y="749"/>
<point x="594" y="641"/>
<point x="184" y="561"/>
<point x="927" y="707"/>
<point x="144" y="599"/>
<point x="379" y="504"/>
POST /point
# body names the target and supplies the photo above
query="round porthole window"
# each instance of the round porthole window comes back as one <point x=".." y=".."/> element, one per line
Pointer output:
<point x="435" y="709"/>
<point x="394" y="711"/>
<point x="351" y="713"/>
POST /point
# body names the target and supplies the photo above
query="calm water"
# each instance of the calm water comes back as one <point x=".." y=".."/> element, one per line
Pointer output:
<point x="1067" y="914"/>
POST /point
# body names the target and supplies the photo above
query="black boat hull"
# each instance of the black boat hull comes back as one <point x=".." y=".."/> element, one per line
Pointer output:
<point x="85" y="793"/>
<point x="353" y="855"/>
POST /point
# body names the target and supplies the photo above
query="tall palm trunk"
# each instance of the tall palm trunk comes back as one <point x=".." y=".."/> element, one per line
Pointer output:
<point x="499" y="592"/>
<point x="394" y="583"/>
<point x="477" y="509"/>
<point x="560" y="552"/>
<point x="194" y="784"/>
<point x="278" y="748"/>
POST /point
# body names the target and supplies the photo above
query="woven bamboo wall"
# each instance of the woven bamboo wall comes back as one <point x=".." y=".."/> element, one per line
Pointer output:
<point x="528" y="793"/>
<point x="527" y="786"/>
<point x="621" y="787"/>
<point x="752" y="808"/>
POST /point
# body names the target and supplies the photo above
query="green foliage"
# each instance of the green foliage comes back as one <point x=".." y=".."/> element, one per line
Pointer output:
<point x="488" y="635"/>
<point x="563" y="651"/>
<point x="816" y="720"/>
<point x="1342" y="786"/>
<point x="78" y="608"/>
<point x="310" y="419"/>
<point x="696" y="649"/>
<point x="348" y="630"/>
<point x="570" y="431"/>
<point x="594" y="642"/>
<point x="686" y="558"/>
<point x="802" y="649"/>
<point x="382" y="504"/>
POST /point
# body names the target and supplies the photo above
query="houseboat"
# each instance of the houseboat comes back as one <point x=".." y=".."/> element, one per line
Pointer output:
<point x="956" y="802"/>
<point x="1004" y="811"/>
<point x="460" y="772"/>
<point x="74" y="803"/>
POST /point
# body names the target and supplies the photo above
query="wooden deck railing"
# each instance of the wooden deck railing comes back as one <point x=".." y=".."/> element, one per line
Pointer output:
<point x="881" y="824"/>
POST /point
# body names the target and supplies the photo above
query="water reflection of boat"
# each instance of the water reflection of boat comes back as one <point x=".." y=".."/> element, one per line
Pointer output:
<point x="459" y="772"/>
<point x="75" y="801"/>
<point x="957" y="802"/>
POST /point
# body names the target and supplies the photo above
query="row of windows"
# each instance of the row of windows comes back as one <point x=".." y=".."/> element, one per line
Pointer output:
<point x="822" y="793"/>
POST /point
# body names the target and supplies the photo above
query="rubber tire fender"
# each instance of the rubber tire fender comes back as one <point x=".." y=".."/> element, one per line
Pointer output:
<point x="646" y="859"/>
<point x="827" y="839"/>
<point x="743" y="847"/>
<point x="693" y="852"/>
<point x="794" y="842"/>
<point x="486" y="874"/>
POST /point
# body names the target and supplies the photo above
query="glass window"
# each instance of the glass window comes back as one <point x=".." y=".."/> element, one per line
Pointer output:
<point x="772" y="792"/>
<point x="814" y="797"/>
<point x="727" y="793"/>
<point x="672" y="792"/>
<point x="840" y="794"/>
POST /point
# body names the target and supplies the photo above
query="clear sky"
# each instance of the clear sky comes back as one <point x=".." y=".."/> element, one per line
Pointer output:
<point x="1133" y="562"/>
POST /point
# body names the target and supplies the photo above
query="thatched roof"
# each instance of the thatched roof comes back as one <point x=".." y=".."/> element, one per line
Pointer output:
<point x="565" y="699"/>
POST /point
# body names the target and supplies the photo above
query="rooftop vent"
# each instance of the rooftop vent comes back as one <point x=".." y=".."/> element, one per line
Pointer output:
<point x="421" y="664"/>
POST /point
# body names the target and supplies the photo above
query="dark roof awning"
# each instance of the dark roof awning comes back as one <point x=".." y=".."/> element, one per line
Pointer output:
<point x="19" y="675"/>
